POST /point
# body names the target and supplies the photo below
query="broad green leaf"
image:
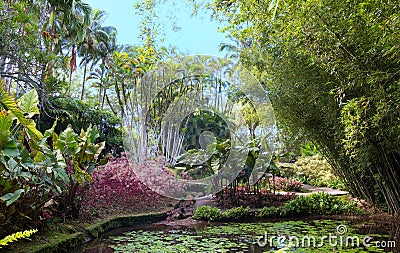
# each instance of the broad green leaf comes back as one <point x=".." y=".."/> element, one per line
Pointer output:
<point x="26" y="175"/>
<point x="39" y="157"/>
<point x="60" y="158"/>
<point x="54" y="138"/>
<point x="94" y="134"/>
<point x="48" y="133"/>
<point x="81" y="175"/>
<point x="12" y="197"/>
<point x="51" y="19"/>
<point x="60" y="173"/>
<point x="66" y="142"/>
<point x="91" y="168"/>
<point x="31" y="126"/>
<point x="84" y="135"/>
<point x="5" y="125"/>
<point x="12" y="164"/>
<point x="28" y="103"/>
<point x="8" y="102"/>
<point x="10" y="149"/>
<point x="95" y="150"/>
<point x="5" y="120"/>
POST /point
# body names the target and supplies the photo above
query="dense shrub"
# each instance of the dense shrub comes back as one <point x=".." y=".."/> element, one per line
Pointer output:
<point x="237" y="213"/>
<point x="319" y="203"/>
<point x="271" y="212"/>
<point x="313" y="204"/>
<point x="207" y="213"/>
<point x="313" y="170"/>
<point x="336" y="184"/>
<point x="285" y="184"/>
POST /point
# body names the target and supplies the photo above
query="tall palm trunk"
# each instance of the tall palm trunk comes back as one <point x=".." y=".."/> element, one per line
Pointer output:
<point x="84" y="73"/>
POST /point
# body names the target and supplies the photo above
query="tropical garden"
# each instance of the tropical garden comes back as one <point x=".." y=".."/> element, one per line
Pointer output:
<point x="294" y="133"/>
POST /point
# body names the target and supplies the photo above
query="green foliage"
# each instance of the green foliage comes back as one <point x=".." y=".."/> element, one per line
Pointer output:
<point x="319" y="203"/>
<point x="331" y="68"/>
<point x="314" y="170"/>
<point x="33" y="165"/>
<point x="236" y="214"/>
<point x="200" y="122"/>
<point x="80" y="153"/>
<point x="336" y="184"/>
<point x="16" y="236"/>
<point x="207" y="213"/>
<point x="271" y="212"/>
<point x="11" y="197"/>
<point x="313" y="204"/>
<point x="205" y="162"/>
<point x="308" y="149"/>
<point x="291" y="142"/>
<point x="39" y="60"/>
<point x="30" y="170"/>
<point x="20" y="54"/>
<point x="79" y="115"/>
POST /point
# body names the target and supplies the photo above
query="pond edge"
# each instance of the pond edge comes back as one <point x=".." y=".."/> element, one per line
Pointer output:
<point x="70" y="242"/>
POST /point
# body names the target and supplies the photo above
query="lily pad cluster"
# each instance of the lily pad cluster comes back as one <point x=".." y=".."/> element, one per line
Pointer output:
<point x="242" y="237"/>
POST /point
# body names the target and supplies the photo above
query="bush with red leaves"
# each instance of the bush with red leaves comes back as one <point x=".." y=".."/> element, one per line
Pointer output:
<point x="116" y="190"/>
<point x="285" y="184"/>
<point x="242" y="196"/>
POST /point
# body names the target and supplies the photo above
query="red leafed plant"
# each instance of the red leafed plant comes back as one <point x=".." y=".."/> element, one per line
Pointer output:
<point x="243" y="196"/>
<point x="116" y="190"/>
<point x="285" y="184"/>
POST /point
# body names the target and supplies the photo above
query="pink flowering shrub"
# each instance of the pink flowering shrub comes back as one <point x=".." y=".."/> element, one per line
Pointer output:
<point x="285" y="184"/>
<point x="116" y="189"/>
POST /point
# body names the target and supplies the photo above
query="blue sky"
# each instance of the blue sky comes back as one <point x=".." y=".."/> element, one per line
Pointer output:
<point x="198" y="35"/>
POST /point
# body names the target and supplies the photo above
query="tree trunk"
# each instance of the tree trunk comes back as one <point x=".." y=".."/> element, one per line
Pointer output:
<point x="84" y="73"/>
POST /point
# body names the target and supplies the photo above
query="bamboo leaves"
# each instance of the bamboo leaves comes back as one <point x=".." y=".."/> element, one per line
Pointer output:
<point x="332" y="73"/>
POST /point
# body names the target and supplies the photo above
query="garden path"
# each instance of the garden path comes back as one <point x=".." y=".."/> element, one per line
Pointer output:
<point x="313" y="189"/>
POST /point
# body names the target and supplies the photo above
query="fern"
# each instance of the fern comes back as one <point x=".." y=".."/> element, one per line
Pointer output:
<point x="16" y="236"/>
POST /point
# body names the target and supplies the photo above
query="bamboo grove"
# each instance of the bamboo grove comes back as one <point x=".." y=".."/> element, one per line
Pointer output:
<point x="332" y="69"/>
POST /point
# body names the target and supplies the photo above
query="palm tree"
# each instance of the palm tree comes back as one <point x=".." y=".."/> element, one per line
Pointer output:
<point x="101" y="79"/>
<point x="98" y="43"/>
<point x="73" y="17"/>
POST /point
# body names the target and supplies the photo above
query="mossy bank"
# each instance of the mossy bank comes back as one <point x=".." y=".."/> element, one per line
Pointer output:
<point x="68" y="237"/>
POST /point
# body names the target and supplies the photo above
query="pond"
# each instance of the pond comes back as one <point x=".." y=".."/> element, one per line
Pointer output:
<point x="297" y="235"/>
